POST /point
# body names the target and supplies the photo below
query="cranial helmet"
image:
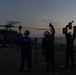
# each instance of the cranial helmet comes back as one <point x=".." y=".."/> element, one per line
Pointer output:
<point x="46" y="33"/>
<point x="26" y="32"/>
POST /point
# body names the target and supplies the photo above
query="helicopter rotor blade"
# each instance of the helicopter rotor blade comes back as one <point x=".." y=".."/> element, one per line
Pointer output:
<point x="11" y="26"/>
<point x="32" y="28"/>
<point x="2" y="25"/>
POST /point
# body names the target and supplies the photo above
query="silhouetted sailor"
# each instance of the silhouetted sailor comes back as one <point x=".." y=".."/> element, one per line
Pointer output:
<point x="26" y="50"/>
<point x="70" y="47"/>
<point x="48" y="48"/>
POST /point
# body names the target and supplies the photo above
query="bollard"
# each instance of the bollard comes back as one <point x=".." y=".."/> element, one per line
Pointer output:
<point x="36" y="53"/>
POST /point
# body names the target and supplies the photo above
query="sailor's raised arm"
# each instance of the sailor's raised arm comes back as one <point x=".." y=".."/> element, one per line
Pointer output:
<point x="52" y="28"/>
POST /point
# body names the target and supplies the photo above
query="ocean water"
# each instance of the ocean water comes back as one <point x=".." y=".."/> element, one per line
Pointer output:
<point x="58" y="40"/>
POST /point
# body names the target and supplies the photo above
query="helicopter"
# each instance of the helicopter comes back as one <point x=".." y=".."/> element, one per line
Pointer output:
<point x="7" y="35"/>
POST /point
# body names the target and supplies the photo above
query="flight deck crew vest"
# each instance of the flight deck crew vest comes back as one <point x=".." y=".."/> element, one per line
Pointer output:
<point x="26" y="44"/>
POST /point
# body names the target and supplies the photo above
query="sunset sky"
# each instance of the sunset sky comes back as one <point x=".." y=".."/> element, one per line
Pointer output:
<point x="39" y="13"/>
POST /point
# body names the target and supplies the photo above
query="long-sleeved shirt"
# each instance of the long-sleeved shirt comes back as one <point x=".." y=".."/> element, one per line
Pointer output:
<point x="26" y="43"/>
